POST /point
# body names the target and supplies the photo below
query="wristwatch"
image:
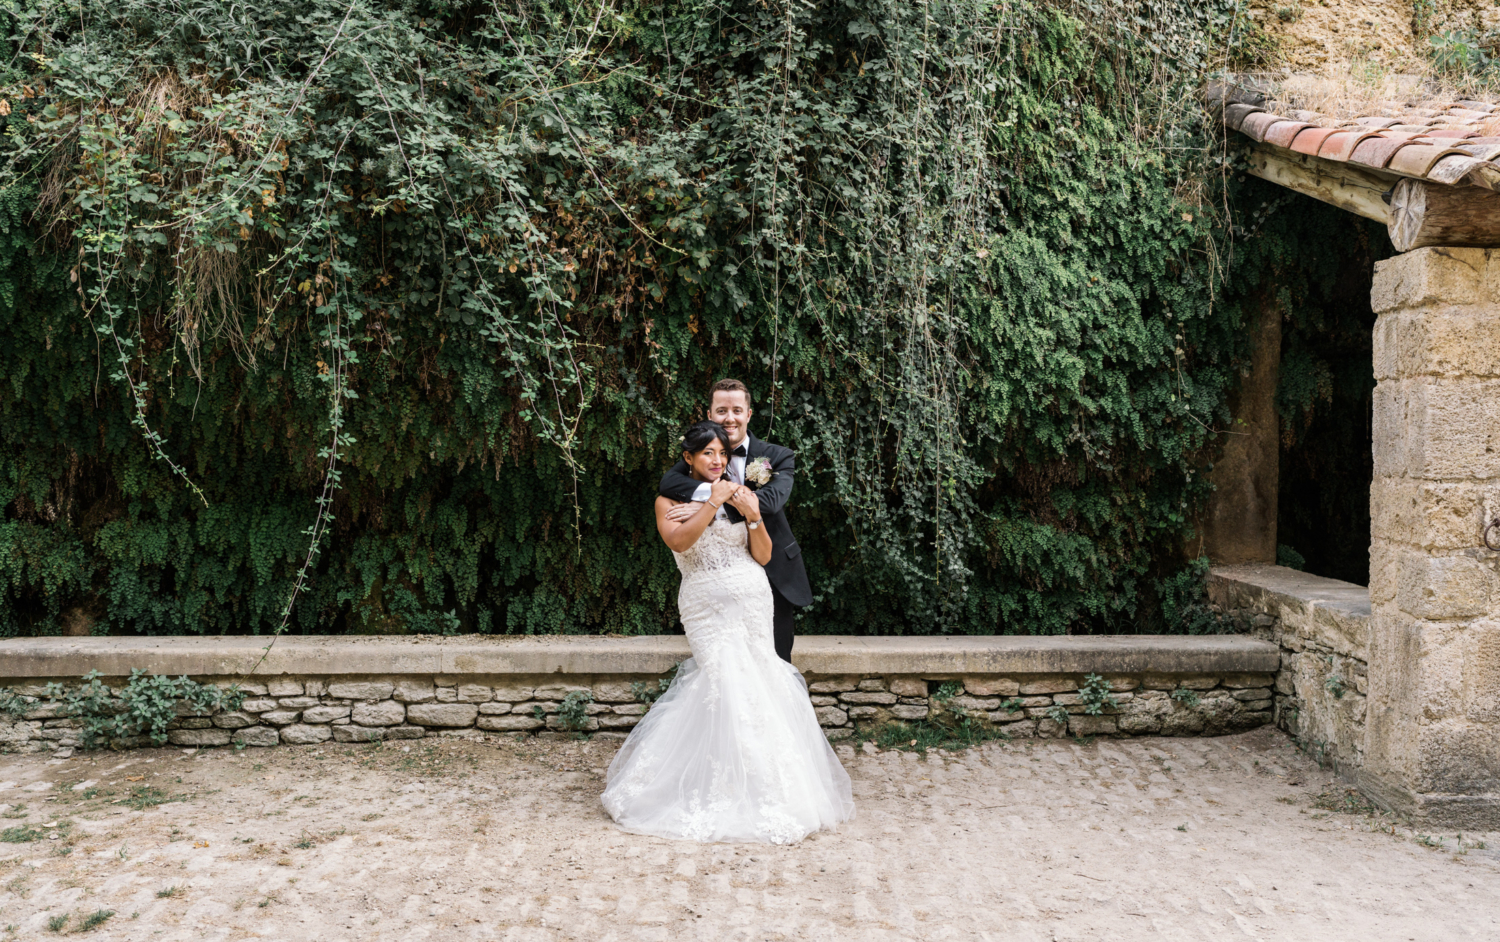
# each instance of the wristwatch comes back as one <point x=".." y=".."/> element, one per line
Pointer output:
<point x="753" y="524"/>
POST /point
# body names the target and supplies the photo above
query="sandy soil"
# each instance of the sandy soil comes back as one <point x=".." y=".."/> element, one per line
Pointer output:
<point x="1037" y="840"/>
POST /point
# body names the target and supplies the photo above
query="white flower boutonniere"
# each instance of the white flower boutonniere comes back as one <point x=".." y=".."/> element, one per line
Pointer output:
<point x="758" y="472"/>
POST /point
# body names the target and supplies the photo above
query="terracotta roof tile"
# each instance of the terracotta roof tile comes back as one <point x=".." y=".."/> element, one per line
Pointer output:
<point x="1340" y="144"/>
<point x="1235" y="115"/>
<point x="1282" y="132"/>
<point x="1445" y="142"/>
<point x="1414" y="160"/>
<point x="1480" y="148"/>
<point x="1309" y="140"/>
<point x="1376" y="152"/>
<point x="1451" y="169"/>
<point x="1256" y="125"/>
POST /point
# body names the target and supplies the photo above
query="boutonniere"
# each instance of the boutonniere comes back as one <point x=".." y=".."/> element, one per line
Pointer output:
<point x="758" y="472"/>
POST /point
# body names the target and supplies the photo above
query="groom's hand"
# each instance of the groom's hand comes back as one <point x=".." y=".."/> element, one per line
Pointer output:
<point x="678" y="513"/>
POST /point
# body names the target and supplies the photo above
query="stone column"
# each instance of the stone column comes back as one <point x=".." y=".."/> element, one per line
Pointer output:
<point x="1239" y="523"/>
<point x="1433" y="724"/>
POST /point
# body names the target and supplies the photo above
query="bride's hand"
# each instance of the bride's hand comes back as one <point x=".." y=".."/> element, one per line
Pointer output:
<point x="745" y="501"/>
<point x="678" y="513"/>
<point x="723" y="489"/>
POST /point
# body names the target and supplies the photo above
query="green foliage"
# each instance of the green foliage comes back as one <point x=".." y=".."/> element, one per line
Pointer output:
<point x="22" y="834"/>
<point x="921" y="736"/>
<point x="1095" y="695"/>
<point x="1187" y="697"/>
<point x="56" y="923"/>
<point x="94" y="920"/>
<point x="1458" y="51"/>
<point x="394" y="308"/>
<point x="1290" y="558"/>
<point x="14" y="705"/>
<point x="1059" y="715"/>
<point x="650" y="691"/>
<point x="572" y="712"/>
<point x="144" y="707"/>
<point x="1336" y="686"/>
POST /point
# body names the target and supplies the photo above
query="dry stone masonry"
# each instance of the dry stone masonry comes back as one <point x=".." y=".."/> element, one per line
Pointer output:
<point x="309" y="710"/>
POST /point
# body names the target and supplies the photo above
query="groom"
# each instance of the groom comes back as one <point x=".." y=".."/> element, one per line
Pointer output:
<point x="729" y="405"/>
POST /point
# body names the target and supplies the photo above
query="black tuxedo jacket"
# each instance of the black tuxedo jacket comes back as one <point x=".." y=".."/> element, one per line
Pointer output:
<point x="785" y="571"/>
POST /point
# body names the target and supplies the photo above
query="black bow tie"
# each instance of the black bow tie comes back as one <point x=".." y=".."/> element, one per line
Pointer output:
<point x="739" y="452"/>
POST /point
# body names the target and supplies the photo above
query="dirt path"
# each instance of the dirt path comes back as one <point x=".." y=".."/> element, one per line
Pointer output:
<point x="1041" y="840"/>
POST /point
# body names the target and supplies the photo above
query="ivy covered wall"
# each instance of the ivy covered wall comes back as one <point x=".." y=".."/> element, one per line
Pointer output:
<point x="384" y="315"/>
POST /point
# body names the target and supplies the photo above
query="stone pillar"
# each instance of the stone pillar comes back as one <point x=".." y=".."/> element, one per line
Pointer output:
<point x="1433" y="724"/>
<point x="1239" y="523"/>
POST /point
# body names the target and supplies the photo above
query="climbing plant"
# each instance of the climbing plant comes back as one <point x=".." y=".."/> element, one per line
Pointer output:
<point x="383" y="315"/>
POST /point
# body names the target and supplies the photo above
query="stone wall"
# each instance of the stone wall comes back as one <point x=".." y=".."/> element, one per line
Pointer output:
<point x="1433" y="743"/>
<point x="312" y="690"/>
<point x="1322" y="627"/>
<point x="308" y="710"/>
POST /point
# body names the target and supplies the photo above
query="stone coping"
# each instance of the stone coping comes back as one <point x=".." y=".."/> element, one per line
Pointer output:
<point x="819" y="655"/>
<point x="1313" y="608"/>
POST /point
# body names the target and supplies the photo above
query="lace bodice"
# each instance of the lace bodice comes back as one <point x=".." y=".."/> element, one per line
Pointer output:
<point x="723" y="545"/>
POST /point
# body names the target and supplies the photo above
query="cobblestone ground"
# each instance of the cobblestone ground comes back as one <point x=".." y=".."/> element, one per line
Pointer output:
<point x="1039" y="840"/>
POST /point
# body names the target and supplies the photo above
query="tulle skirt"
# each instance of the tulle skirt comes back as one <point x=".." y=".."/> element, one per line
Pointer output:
<point x="733" y="750"/>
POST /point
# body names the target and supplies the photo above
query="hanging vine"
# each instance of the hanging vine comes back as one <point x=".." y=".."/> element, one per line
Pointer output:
<point x="413" y="289"/>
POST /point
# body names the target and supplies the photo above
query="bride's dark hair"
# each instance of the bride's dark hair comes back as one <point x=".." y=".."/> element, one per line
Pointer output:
<point x="699" y="434"/>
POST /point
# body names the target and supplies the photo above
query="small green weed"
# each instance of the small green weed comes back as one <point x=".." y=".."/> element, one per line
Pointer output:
<point x="14" y="705"/>
<point x="18" y="811"/>
<point x="1059" y="715"/>
<point x="1187" y="697"/>
<point x="922" y="736"/>
<point x="1336" y="686"/>
<point x="21" y="834"/>
<point x="56" y="923"/>
<point x="305" y="843"/>
<point x="94" y="920"/>
<point x="1095" y="695"/>
<point x="142" y="797"/>
<point x="169" y="892"/>
<point x="651" y="691"/>
<point x="572" y="713"/>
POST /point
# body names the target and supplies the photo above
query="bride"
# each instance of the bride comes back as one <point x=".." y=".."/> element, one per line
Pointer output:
<point x="732" y="751"/>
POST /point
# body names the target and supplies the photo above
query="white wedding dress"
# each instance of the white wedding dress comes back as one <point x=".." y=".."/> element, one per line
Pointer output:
<point x="732" y="751"/>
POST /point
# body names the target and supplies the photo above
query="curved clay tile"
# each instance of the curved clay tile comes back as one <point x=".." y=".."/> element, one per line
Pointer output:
<point x="1309" y="140"/>
<point x="1452" y="133"/>
<point x="1451" y="168"/>
<point x="1374" y="122"/>
<point x="1340" y="144"/>
<point x="1415" y="160"/>
<point x="1257" y="125"/>
<point x="1481" y="148"/>
<point x="1376" y="152"/>
<point x="1235" y="115"/>
<point x="1282" y="132"/>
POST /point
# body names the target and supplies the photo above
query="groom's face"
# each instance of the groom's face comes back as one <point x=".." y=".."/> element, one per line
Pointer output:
<point x="731" y="409"/>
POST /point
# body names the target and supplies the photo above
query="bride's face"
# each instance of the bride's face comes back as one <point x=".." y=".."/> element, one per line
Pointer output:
<point x="708" y="464"/>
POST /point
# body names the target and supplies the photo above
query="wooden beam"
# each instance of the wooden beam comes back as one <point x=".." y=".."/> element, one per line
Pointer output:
<point x="1348" y="187"/>
<point x="1425" y="214"/>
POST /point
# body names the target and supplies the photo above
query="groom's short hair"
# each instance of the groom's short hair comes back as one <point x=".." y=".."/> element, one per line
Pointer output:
<point x="732" y="385"/>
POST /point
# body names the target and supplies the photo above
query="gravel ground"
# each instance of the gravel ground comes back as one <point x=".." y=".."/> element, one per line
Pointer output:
<point x="444" y="839"/>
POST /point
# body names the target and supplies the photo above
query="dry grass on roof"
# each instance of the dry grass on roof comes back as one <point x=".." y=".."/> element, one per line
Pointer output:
<point x="1335" y="100"/>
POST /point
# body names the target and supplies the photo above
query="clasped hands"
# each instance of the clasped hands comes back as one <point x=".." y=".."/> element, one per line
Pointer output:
<point x="724" y="491"/>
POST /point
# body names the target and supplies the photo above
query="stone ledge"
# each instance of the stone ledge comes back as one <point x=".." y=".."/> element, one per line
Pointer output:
<point x="822" y="655"/>
<point x="1326" y="611"/>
